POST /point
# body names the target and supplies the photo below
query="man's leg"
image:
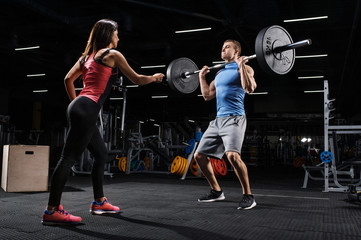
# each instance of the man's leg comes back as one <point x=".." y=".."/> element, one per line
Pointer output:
<point x="216" y="193"/>
<point x="207" y="170"/>
<point x="241" y="171"/>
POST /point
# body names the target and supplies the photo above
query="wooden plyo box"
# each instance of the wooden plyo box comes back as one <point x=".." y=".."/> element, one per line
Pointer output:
<point x="25" y="168"/>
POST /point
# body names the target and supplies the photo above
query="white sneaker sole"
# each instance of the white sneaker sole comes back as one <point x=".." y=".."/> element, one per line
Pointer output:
<point x="220" y="198"/>
<point x="252" y="206"/>
<point x="99" y="212"/>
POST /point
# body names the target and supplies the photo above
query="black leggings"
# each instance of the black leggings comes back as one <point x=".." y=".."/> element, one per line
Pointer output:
<point x="82" y="115"/>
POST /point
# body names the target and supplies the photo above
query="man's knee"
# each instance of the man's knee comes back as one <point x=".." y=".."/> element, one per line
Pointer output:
<point x="199" y="157"/>
<point x="233" y="157"/>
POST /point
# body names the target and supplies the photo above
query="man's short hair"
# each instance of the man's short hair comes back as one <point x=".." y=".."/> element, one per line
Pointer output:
<point x="236" y="44"/>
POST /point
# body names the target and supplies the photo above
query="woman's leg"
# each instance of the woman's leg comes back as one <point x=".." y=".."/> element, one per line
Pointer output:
<point x="99" y="151"/>
<point x="82" y="115"/>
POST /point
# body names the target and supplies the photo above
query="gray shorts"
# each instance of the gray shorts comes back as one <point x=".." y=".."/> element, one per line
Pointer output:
<point x="224" y="134"/>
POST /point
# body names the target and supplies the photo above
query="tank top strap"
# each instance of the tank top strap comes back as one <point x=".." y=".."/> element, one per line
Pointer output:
<point x="104" y="53"/>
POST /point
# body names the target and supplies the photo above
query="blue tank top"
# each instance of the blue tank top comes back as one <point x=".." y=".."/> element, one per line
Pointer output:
<point x="229" y="92"/>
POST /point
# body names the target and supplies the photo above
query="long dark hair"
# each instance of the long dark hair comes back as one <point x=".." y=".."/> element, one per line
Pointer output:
<point x="100" y="36"/>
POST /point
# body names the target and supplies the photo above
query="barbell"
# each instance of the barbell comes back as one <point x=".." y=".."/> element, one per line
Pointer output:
<point x="275" y="53"/>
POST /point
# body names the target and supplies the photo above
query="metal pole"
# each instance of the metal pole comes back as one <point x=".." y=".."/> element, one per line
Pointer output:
<point x="290" y="46"/>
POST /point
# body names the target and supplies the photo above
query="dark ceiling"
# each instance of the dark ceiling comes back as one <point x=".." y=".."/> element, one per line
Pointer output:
<point x="147" y="37"/>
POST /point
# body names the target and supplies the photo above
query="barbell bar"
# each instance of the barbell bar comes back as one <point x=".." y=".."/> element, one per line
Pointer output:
<point x="280" y="49"/>
<point x="275" y="53"/>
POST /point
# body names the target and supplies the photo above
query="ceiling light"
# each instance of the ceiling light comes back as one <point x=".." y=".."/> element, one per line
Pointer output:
<point x="155" y="66"/>
<point x="192" y="121"/>
<point x="131" y="86"/>
<point x="199" y="95"/>
<point x="313" y="91"/>
<point x="312" y="56"/>
<point x="159" y="96"/>
<point x="258" y="93"/>
<point x="40" y="91"/>
<point x="78" y="89"/>
<point x="115" y="98"/>
<point x="36" y="75"/>
<point x="306" y="140"/>
<point x="305" y="19"/>
<point x="194" y="30"/>
<point x="157" y="125"/>
<point x="309" y="77"/>
<point x="26" y="48"/>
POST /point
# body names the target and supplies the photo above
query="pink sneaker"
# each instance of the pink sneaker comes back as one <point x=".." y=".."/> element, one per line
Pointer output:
<point x="59" y="217"/>
<point x="104" y="207"/>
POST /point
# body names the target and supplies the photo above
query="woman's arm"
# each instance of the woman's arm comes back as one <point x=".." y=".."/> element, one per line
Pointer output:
<point x="121" y="62"/>
<point x="72" y="75"/>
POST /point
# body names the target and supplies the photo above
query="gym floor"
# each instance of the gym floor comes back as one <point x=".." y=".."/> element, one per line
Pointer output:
<point x="165" y="207"/>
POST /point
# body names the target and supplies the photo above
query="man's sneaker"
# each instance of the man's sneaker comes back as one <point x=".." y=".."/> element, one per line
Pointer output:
<point x="59" y="217"/>
<point x="104" y="207"/>
<point x="212" y="196"/>
<point x="247" y="202"/>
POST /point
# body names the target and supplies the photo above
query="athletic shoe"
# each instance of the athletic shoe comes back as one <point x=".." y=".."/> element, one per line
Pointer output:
<point x="59" y="217"/>
<point x="104" y="207"/>
<point x="212" y="196"/>
<point x="247" y="202"/>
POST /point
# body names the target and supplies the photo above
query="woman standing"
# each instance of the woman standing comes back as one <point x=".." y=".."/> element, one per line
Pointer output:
<point x="98" y="66"/>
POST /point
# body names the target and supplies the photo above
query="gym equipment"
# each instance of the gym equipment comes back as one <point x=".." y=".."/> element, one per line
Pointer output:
<point x="326" y="156"/>
<point x="275" y="53"/>
<point x="122" y="163"/>
<point x="179" y="166"/>
<point x="190" y="145"/>
<point x="219" y="167"/>
<point x="335" y="175"/>
<point x="182" y="84"/>
<point x="298" y="161"/>
<point x="194" y="167"/>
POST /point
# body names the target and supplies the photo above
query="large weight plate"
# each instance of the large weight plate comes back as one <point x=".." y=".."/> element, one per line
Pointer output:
<point x="271" y="62"/>
<point x="175" y="80"/>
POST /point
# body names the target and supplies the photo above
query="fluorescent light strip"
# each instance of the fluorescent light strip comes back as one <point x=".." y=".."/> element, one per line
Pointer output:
<point x="309" y="77"/>
<point x="26" y="48"/>
<point x="200" y="95"/>
<point x="78" y="89"/>
<point x="159" y="96"/>
<point x="115" y="98"/>
<point x="305" y="19"/>
<point x="312" y="56"/>
<point x="155" y="66"/>
<point x="259" y="93"/>
<point x="36" y="75"/>
<point x="39" y="91"/>
<point x="192" y="121"/>
<point x="132" y="86"/>
<point x="157" y="125"/>
<point x="218" y="62"/>
<point x="314" y="91"/>
<point x="193" y="30"/>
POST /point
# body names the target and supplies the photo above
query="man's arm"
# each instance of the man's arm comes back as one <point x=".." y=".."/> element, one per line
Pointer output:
<point x="208" y="90"/>
<point x="247" y="75"/>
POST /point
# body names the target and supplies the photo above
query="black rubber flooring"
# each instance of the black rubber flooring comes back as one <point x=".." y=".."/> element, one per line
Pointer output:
<point x="165" y="207"/>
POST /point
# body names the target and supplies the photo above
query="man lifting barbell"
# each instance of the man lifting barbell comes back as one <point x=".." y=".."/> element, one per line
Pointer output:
<point x="225" y="134"/>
